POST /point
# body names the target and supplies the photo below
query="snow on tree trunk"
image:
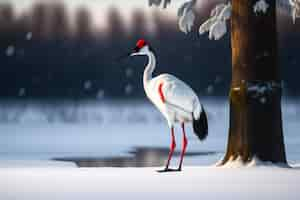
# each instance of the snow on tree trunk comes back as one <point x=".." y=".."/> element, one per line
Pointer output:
<point x="255" y="98"/>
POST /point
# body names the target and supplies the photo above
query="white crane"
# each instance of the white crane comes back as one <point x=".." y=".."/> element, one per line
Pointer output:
<point x="174" y="99"/>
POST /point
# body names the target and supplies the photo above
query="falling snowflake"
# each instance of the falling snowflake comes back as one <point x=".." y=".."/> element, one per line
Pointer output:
<point x="218" y="79"/>
<point x="10" y="51"/>
<point x="129" y="72"/>
<point x="100" y="94"/>
<point x="29" y="36"/>
<point x="263" y="100"/>
<point x="21" y="92"/>
<point x="87" y="85"/>
<point x="128" y="89"/>
<point x="210" y="89"/>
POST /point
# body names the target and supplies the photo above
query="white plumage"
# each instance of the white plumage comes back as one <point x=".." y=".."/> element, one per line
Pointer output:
<point x="174" y="99"/>
<point x="180" y="103"/>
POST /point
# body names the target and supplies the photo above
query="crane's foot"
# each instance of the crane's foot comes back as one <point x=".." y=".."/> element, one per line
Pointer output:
<point x="168" y="170"/>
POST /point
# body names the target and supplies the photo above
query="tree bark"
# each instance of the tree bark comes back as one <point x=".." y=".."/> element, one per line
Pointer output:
<point x="255" y="128"/>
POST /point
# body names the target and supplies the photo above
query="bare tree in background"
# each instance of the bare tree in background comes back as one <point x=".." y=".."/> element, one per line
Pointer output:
<point x="116" y="25"/>
<point x="59" y="24"/>
<point x="6" y="18"/>
<point x="39" y="21"/>
<point x="83" y="24"/>
<point x="138" y="25"/>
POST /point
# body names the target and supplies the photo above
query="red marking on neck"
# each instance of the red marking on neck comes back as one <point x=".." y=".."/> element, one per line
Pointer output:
<point x="141" y="43"/>
<point x="160" y="92"/>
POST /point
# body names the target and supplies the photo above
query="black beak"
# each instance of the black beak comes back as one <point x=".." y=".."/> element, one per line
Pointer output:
<point x="136" y="49"/>
<point x="123" y="57"/>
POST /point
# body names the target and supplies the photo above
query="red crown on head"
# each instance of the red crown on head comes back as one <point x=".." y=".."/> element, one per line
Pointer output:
<point x="141" y="43"/>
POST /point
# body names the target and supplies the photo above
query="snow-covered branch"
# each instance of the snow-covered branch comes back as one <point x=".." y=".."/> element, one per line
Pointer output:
<point x="216" y="24"/>
<point x="186" y="16"/>
<point x="290" y="6"/>
<point x="295" y="4"/>
<point x="164" y="3"/>
<point x="263" y="90"/>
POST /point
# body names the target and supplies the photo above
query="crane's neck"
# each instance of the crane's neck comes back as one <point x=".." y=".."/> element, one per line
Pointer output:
<point x="149" y="68"/>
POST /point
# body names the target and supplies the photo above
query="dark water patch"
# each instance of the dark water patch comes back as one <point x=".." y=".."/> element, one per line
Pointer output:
<point x="139" y="157"/>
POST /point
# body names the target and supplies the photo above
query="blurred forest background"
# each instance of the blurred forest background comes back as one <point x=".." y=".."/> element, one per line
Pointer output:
<point x="43" y="56"/>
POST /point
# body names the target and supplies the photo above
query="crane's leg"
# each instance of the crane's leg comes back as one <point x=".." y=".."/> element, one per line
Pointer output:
<point x="184" y="145"/>
<point x="172" y="148"/>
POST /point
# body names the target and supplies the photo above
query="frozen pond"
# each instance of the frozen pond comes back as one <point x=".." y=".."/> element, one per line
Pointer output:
<point x="121" y="134"/>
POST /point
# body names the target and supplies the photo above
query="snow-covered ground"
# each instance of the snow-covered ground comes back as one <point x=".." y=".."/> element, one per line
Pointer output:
<point x="34" y="135"/>
<point x="145" y="183"/>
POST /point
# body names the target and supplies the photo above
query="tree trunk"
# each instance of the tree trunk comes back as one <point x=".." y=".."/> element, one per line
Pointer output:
<point x="255" y="128"/>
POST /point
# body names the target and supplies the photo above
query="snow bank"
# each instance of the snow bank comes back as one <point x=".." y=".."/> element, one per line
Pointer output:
<point x="100" y="112"/>
<point x="145" y="183"/>
<point x="34" y="164"/>
<point x="255" y="162"/>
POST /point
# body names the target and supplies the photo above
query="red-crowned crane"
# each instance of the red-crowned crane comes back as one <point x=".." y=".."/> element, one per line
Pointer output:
<point x="174" y="99"/>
